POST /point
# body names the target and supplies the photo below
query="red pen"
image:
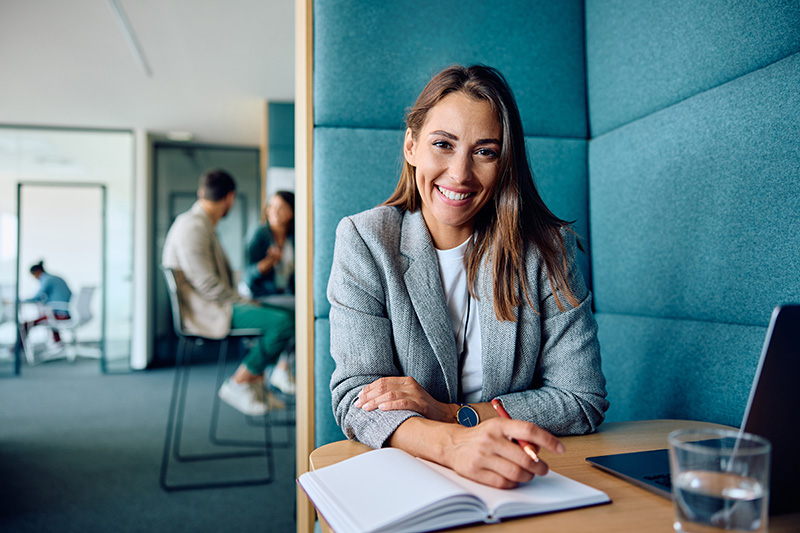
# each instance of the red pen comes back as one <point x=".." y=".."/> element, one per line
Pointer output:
<point x="527" y="446"/>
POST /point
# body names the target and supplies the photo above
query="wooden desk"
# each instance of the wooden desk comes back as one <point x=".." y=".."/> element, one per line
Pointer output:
<point x="632" y="508"/>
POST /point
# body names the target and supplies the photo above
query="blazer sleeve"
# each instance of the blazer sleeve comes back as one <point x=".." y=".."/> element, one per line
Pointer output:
<point x="568" y="394"/>
<point x="196" y="258"/>
<point x="361" y="338"/>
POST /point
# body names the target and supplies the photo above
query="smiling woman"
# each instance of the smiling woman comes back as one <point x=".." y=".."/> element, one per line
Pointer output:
<point x="456" y="161"/>
<point x="463" y="288"/>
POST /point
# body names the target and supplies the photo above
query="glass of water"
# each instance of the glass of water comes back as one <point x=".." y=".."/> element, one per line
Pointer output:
<point x="720" y="480"/>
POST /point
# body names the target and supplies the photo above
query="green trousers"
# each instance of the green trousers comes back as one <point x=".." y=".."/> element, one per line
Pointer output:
<point x="278" y="326"/>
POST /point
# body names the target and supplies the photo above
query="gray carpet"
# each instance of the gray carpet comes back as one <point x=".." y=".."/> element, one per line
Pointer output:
<point x="81" y="451"/>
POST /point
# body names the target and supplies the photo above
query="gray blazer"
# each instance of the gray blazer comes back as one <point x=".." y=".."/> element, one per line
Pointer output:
<point x="203" y="274"/>
<point x="389" y="318"/>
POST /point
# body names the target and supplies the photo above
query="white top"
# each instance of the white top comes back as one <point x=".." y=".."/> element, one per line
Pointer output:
<point x="285" y="268"/>
<point x="454" y="281"/>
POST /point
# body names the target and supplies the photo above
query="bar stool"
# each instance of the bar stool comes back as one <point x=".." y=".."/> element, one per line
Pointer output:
<point x="187" y="343"/>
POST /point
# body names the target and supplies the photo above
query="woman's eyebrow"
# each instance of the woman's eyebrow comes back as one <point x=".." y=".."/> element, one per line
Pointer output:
<point x="443" y="134"/>
<point x="455" y="138"/>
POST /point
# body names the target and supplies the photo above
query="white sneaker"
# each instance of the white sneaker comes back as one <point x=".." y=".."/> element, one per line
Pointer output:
<point x="283" y="380"/>
<point x="245" y="397"/>
<point x="273" y="402"/>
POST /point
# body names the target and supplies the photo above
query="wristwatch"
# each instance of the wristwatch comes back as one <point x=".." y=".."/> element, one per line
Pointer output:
<point x="467" y="416"/>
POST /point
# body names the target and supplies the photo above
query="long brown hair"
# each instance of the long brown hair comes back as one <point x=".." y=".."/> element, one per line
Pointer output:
<point x="516" y="217"/>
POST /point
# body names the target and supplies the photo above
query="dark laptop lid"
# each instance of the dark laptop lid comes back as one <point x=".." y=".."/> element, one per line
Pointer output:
<point x="772" y="409"/>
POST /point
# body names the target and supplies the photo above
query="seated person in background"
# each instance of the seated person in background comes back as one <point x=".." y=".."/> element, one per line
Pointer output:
<point x="54" y="293"/>
<point x="270" y="251"/>
<point x="212" y="306"/>
<point x="460" y="289"/>
<point x="270" y="269"/>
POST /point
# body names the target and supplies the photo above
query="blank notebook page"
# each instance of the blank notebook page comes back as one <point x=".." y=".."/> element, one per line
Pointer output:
<point x="376" y="487"/>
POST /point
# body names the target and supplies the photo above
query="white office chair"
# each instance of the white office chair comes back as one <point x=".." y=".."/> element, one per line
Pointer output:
<point x="8" y="331"/>
<point x="80" y="315"/>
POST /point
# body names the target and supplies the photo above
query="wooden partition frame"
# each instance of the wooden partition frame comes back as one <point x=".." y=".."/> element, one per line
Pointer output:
<point x="263" y="149"/>
<point x="304" y="249"/>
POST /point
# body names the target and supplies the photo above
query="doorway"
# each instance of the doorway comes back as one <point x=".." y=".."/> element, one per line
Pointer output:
<point x="63" y="226"/>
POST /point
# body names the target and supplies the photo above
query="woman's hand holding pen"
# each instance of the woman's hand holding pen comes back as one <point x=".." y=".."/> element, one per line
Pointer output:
<point x="484" y="453"/>
<point x="487" y="454"/>
<point x="403" y="393"/>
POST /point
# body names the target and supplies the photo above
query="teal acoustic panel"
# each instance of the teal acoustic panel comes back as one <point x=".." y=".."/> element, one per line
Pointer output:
<point x="371" y="59"/>
<point x="326" y="429"/>
<point x="280" y="116"/>
<point x="695" y="209"/>
<point x="681" y="369"/>
<point x="645" y="55"/>
<point x="559" y="171"/>
<point x="354" y="170"/>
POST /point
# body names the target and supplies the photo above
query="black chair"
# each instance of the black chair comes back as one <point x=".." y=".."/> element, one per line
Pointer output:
<point x="187" y="343"/>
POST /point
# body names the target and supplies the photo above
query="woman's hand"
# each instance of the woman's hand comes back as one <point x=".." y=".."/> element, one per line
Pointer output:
<point x="393" y="393"/>
<point x="487" y="454"/>
<point x="272" y="258"/>
<point x="484" y="453"/>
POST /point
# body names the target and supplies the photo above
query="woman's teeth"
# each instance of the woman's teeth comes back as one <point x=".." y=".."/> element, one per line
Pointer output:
<point x="453" y="195"/>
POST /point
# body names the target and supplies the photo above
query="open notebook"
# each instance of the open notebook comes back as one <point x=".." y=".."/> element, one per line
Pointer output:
<point x="390" y="490"/>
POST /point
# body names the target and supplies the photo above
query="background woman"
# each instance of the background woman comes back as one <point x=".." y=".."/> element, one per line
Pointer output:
<point x="462" y="288"/>
<point x="270" y="269"/>
<point x="270" y="251"/>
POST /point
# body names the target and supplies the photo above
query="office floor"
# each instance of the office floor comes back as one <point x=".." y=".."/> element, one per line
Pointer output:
<point x="81" y="451"/>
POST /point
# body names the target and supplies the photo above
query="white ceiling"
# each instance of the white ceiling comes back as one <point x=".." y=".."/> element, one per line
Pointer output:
<point x="213" y="63"/>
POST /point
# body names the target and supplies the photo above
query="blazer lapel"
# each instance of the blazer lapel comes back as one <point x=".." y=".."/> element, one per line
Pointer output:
<point x="427" y="296"/>
<point x="498" y="340"/>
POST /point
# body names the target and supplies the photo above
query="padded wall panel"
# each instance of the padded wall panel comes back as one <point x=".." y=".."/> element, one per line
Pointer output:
<point x="683" y="369"/>
<point x="643" y="56"/>
<point x="325" y="428"/>
<point x="351" y="179"/>
<point x="695" y="209"/>
<point x="281" y="134"/>
<point x="559" y="171"/>
<point x="371" y="59"/>
<point x="354" y="170"/>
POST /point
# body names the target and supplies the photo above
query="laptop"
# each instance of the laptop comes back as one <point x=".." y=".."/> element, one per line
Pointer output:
<point x="772" y="412"/>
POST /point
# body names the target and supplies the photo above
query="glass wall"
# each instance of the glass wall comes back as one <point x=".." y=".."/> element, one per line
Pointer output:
<point x="56" y="166"/>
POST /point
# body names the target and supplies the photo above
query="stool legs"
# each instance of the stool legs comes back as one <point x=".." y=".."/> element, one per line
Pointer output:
<point x="172" y="440"/>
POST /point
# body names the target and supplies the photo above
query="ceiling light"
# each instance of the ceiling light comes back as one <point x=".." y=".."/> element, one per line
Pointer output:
<point x="130" y="36"/>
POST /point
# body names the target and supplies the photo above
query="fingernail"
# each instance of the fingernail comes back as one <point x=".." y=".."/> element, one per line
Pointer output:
<point x="530" y="451"/>
<point x="560" y="448"/>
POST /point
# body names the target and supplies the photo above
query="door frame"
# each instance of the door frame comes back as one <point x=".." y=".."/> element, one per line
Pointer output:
<point x="103" y="217"/>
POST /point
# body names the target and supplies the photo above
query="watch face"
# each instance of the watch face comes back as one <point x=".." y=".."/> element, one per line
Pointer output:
<point x="467" y="416"/>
